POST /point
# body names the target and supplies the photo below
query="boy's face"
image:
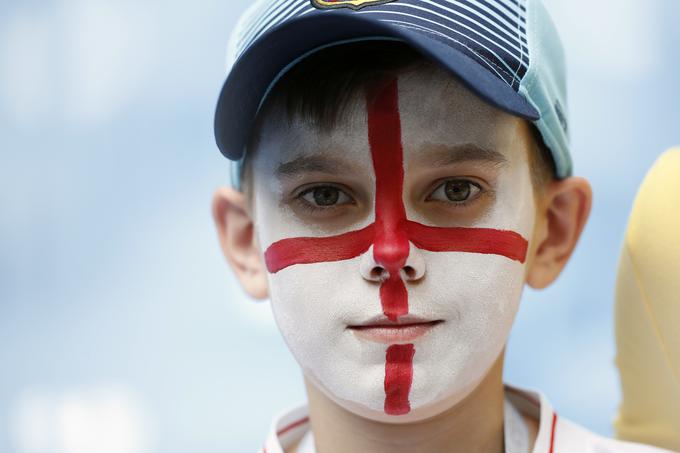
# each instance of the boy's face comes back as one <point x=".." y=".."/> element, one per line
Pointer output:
<point x="396" y="301"/>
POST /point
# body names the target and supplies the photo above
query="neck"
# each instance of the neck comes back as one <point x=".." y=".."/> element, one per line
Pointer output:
<point x="474" y="424"/>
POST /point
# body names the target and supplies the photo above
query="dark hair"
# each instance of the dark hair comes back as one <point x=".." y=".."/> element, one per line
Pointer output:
<point x="321" y="89"/>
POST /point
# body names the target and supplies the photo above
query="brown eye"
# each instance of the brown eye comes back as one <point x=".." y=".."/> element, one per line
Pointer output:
<point x="324" y="196"/>
<point x="455" y="190"/>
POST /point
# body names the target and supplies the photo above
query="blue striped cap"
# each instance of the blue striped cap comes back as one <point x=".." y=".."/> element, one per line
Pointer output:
<point x="506" y="51"/>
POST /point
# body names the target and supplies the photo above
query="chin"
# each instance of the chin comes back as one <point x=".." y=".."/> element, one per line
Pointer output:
<point x="424" y="407"/>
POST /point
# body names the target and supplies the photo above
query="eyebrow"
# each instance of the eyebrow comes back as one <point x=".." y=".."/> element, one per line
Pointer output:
<point x="443" y="155"/>
<point x="313" y="164"/>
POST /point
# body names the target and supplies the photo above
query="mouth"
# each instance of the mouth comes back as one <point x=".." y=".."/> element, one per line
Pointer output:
<point x="404" y="330"/>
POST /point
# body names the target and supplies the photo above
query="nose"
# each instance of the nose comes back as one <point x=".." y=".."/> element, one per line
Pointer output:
<point x="412" y="270"/>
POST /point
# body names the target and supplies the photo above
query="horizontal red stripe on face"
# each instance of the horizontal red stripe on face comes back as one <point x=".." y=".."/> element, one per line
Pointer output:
<point x="473" y="240"/>
<point x="307" y="250"/>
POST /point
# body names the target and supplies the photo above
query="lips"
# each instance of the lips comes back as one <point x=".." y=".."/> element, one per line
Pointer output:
<point x="404" y="330"/>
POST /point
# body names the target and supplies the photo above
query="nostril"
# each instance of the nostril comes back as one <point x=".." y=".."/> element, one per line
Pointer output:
<point x="377" y="273"/>
<point x="409" y="272"/>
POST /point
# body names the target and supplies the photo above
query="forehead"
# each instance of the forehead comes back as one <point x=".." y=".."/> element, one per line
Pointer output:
<point x="435" y="110"/>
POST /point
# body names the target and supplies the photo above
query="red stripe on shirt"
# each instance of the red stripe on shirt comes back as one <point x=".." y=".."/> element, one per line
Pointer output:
<point x="552" y="432"/>
<point x="293" y="425"/>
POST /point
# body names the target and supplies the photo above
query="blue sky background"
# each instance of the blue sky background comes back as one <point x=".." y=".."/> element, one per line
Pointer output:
<point x="121" y="327"/>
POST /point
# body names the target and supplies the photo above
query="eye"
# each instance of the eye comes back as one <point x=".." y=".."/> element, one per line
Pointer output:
<point x="455" y="190"/>
<point x="325" y="196"/>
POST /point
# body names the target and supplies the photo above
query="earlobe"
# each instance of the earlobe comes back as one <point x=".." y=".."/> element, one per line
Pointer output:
<point x="236" y="232"/>
<point x="566" y="207"/>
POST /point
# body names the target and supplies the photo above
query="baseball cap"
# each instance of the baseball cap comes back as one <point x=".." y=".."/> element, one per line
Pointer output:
<point x="506" y="51"/>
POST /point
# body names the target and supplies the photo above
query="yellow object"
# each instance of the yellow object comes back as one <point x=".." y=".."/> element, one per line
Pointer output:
<point x="648" y="311"/>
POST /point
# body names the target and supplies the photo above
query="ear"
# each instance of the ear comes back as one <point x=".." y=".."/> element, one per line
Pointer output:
<point x="562" y="213"/>
<point x="236" y="232"/>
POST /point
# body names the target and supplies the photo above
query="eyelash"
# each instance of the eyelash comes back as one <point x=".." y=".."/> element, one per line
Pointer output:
<point x="456" y="204"/>
<point x="312" y="208"/>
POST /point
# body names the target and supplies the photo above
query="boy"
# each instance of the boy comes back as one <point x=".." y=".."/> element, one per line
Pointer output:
<point x="402" y="171"/>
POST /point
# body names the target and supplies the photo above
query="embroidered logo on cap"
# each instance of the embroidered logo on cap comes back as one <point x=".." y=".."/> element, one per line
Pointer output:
<point x="353" y="4"/>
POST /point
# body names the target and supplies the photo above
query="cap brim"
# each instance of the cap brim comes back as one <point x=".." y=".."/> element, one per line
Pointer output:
<point x="253" y="74"/>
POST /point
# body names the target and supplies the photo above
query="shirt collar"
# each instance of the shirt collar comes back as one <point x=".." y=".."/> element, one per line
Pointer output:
<point x="535" y="404"/>
<point x="286" y="429"/>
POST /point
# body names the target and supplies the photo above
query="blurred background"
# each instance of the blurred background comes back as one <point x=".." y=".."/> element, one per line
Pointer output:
<point x="121" y="327"/>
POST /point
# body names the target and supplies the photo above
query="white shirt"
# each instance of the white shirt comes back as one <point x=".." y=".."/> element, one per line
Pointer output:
<point x="555" y="434"/>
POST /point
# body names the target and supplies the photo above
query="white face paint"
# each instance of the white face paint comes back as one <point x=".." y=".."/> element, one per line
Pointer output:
<point x="474" y="295"/>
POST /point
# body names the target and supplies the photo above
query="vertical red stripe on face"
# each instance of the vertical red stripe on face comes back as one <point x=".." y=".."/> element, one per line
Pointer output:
<point x="398" y="378"/>
<point x="391" y="244"/>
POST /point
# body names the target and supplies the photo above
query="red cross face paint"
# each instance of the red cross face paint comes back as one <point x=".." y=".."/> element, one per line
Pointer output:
<point x="393" y="280"/>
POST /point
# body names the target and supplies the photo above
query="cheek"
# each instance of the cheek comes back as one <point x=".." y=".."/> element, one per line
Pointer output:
<point x="478" y="297"/>
<point x="314" y="303"/>
<point x="477" y="294"/>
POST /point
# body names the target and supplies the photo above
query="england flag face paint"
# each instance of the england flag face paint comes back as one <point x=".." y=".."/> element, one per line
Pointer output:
<point x="396" y="244"/>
